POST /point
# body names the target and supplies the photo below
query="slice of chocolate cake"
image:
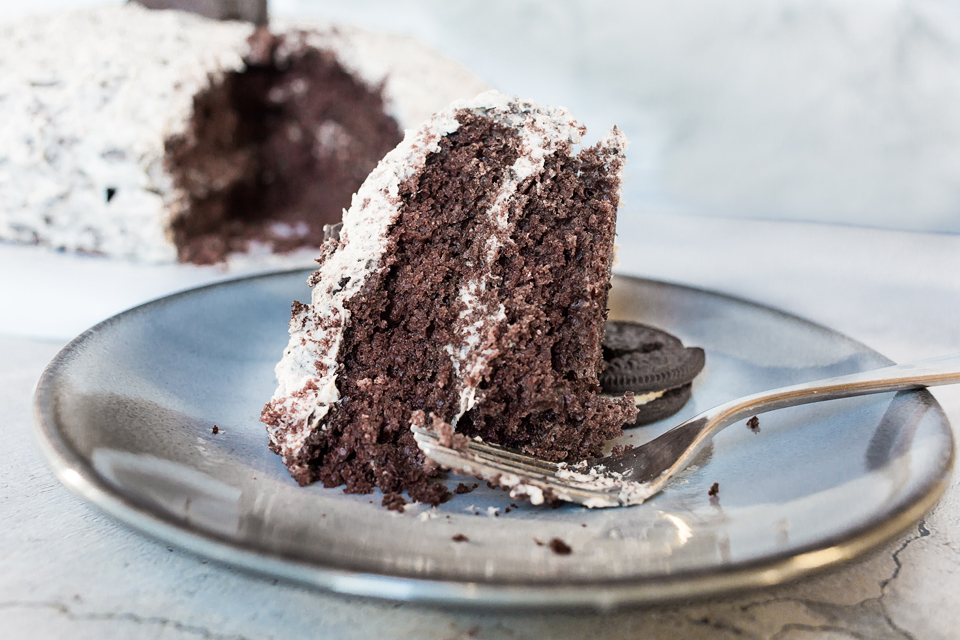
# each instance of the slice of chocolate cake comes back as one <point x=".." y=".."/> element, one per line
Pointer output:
<point x="467" y="288"/>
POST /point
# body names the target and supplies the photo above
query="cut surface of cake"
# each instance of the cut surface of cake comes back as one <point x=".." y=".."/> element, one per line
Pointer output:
<point x="467" y="290"/>
<point x="162" y="136"/>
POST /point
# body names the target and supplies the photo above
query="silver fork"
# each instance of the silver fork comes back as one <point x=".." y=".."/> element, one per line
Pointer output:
<point x="634" y="476"/>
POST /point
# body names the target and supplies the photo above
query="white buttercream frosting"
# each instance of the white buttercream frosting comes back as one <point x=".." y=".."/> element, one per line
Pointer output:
<point x="640" y="399"/>
<point x="89" y="97"/>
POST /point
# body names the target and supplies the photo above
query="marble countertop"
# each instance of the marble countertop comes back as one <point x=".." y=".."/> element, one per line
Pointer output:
<point x="67" y="571"/>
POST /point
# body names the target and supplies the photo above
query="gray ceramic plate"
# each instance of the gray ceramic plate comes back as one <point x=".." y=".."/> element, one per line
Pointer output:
<point x="126" y="413"/>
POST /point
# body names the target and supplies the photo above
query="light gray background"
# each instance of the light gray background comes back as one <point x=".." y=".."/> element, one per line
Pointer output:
<point x="832" y="110"/>
<point x="842" y="111"/>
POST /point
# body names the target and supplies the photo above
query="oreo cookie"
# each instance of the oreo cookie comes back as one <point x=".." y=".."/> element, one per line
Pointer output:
<point x="651" y="363"/>
<point x="663" y="407"/>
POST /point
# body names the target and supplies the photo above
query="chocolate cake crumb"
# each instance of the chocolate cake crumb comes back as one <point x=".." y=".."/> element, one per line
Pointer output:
<point x="460" y="538"/>
<point x="394" y="502"/>
<point x="215" y="430"/>
<point x="754" y="424"/>
<point x="714" y="490"/>
<point x="446" y="436"/>
<point x="560" y="547"/>
<point x="617" y="450"/>
<point x="462" y="488"/>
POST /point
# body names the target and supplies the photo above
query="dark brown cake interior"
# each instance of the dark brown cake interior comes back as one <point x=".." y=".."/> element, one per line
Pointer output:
<point x="541" y="393"/>
<point x="274" y="152"/>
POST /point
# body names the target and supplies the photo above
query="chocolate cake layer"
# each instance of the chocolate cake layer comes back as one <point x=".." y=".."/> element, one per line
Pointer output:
<point x="553" y="278"/>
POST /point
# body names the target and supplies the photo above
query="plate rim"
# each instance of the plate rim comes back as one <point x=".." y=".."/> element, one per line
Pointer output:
<point x="72" y="470"/>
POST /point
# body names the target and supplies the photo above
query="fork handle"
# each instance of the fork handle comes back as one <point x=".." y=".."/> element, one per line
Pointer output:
<point x="911" y="375"/>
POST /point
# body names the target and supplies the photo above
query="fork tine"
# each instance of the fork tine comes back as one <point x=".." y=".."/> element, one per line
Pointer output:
<point x="459" y="460"/>
<point x="486" y="449"/>
<point x="503" y="460"/>
<point x="516" y="464"/>
<point x="521" y="480"/>
<point x="535" y="486"/>
<point x="500" y="456"/>
<point x="489" y="459"/>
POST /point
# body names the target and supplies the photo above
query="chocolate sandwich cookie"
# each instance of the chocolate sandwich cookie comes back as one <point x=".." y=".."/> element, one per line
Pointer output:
<point x="651" y="363"/>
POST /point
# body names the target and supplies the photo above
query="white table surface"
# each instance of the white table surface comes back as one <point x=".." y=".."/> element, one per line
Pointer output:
<point x="66" y="571"/>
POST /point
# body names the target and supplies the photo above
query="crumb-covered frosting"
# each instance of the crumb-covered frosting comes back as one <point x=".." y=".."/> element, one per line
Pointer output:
<point x="89" y="98"/>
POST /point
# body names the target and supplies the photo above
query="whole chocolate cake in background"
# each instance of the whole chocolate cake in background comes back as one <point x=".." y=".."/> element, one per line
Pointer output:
<point x="162" y="136"/>
<point x="467" y="290"/>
